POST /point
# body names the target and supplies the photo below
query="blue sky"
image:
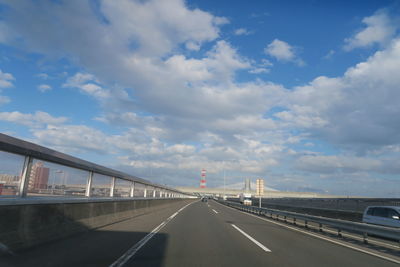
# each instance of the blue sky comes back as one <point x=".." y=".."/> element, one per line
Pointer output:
<point x="301" y="93"/>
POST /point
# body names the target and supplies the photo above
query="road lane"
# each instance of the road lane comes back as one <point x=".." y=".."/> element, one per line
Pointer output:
<point x="97" y="248"/>
<point x="135" y="248"/>
<point x="292" y="247"/>
<point x="201" y="237"/>
<point x="198" y="237"/>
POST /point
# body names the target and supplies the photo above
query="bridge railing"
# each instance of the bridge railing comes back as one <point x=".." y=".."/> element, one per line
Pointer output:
<point x="363" y="229"/>
<point x="36" y="173"/>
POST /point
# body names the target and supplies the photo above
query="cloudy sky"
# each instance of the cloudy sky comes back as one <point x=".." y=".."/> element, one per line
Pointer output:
<point x="305" y="95"/>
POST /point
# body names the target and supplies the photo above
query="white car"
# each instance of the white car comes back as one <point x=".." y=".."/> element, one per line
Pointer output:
<point x="382" y="215"/>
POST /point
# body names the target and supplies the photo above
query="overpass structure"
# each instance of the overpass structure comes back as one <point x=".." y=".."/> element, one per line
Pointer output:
<point x="57" y="210"/>
<point x="235" y="193"/>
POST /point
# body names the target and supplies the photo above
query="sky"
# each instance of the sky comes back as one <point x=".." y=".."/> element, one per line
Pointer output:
<point x="304" y="94"/>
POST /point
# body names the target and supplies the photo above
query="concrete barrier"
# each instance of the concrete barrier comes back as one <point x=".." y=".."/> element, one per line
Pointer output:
<point x="26" y="225"/>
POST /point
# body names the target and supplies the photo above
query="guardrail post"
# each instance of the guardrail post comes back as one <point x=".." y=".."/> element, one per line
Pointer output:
<point x="320" y="227"/>
<point x="339" y="232"/>
<point x="88" y="192"/>
<point x="284" y="218"/>
<point x="294" y="221"/>
<point x="365" y="238"/>
<point x="306" y="224"/>
<point x="26" y="172"/>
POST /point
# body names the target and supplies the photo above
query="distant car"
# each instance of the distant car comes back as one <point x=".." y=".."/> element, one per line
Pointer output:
<point x="245" y="199"/>
<point x="204" y="199"/>
<point x="382" y="215"/>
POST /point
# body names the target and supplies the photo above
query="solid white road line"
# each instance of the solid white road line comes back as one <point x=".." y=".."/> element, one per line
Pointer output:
<point x="252" y="239"/>
<point x="320" y="237"/>
<point x="215" y="211"/>
<point x="133" y="250"/>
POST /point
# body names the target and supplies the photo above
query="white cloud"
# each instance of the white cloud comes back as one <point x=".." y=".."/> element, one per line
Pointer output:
<point x="44" y="88"/>
<point x="280" y="50"/>
<point x="43" y="76"/>
<point x="36" y="120"/>
<point x="192" y="46"/>
<point x="340" y="164"/>
<point x="129" y="119"/>
<point x="359" y="109"/>
<point x="6" y="80"/>
<point x="73" y="138"/>
<point x="261" y="67"/>
<point x="379" y="29"/>
<point x="170" y="22"/>
<point x="79" y="79"/>
<point x="259" y="70"/>
<point x="4" y="100"/>
<point x="242" y="31"/>
<point x="283" y="51"/>
<point x="88" y="84"/>
<point x="180" y="113"/>
<point x="330" y="54"/>
<point x="337" y="164"/>
<point x="265" y="63"/>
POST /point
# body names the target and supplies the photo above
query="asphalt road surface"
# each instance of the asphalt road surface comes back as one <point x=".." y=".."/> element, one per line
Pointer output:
<point x="200" y="234"/>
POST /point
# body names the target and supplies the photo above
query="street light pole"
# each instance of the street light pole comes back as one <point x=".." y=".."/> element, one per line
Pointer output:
<point x="224" y="184"/>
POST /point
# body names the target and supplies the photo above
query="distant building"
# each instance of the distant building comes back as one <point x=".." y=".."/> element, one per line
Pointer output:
<point x="9" y="178"/>
<point x="260" y="187"/>
<point x="39" y="177"/>
<point x="9" y="184"/>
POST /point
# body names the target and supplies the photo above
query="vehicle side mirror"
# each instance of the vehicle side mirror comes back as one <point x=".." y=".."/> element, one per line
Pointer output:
<point x="395" y="217"/>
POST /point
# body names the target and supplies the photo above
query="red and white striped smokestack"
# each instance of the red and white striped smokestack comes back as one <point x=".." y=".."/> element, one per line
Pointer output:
<point x="203" y="179"/>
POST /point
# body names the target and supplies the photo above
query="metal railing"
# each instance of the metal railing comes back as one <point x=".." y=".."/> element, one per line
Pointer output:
<point x="354" y="204"/>
<point x="340" y="225"/>
<point x="33" y="182"/>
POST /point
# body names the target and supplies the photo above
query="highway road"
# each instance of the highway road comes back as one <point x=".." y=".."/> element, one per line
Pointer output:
<point x="199" y="234"/>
